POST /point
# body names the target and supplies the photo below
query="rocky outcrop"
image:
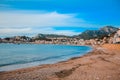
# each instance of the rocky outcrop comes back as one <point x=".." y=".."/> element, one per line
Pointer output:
<point x="116" y="38"/>
<point x="100" y="34"/>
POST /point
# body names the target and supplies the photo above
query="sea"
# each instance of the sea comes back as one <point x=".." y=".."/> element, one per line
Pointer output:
<point x="17" y="56"/>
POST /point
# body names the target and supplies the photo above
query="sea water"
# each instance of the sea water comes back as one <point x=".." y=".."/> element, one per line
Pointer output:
<point x="16" y="56"/>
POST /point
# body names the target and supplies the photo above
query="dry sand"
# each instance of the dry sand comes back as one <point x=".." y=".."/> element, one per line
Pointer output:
<point x="103" y="63"/>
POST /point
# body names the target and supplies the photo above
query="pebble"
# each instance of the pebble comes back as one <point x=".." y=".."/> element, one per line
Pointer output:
<point x="97" y="78"/>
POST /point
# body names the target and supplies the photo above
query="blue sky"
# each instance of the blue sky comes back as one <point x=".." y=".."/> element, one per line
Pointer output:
<point x="69" y="17"/>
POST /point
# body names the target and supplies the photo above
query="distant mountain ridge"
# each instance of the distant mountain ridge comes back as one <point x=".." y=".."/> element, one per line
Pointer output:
<point x="88" y="34"/>
<point x="101" y="36"/>
<point x="102" y="32"/>
<point x="46" y="36"/>
<point x="109" y="29"/>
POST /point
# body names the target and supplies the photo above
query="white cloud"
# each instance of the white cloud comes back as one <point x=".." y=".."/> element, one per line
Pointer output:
<point x="27" y="22"/>
<point x="42" y="19"/>
<point x="33" y="32"/>
<point x="13" y="31"/>
<point x="53" y="31"/>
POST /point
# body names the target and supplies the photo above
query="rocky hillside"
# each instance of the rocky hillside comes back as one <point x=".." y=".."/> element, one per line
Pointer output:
<point x="109" y="29"/>
<point x="91" y="34"/>
<point x="88" y="34"/>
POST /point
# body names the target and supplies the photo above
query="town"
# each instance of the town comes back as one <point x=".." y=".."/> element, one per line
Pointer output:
<point x="114" y="37"/>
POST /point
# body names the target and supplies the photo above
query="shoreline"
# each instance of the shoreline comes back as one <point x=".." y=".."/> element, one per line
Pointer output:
<point x="29" y="65"/>
<point x="89" y="52"/>
<point x="48" y="44"/>
<point x="99" y="64"/>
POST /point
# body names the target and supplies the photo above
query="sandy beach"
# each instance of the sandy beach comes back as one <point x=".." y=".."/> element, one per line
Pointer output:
<point x="103" y="63"/>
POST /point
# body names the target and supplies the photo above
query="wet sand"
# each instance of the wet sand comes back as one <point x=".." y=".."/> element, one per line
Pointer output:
<point x="103" y="63"/>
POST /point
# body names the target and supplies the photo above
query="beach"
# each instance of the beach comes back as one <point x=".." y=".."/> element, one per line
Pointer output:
<point x="103" y="63"/>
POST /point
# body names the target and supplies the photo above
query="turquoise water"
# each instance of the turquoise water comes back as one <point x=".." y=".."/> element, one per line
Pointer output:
<point x="14" y="56"/>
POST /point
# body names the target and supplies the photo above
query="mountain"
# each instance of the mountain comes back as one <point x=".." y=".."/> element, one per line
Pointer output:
<point x="46" y="36"/>
<point x="40" y="36"/>
<point x="54" y="35"/>
<point x="102" y="32"/>
<point x="88" y="34"/>
<point x="109" y="29"/>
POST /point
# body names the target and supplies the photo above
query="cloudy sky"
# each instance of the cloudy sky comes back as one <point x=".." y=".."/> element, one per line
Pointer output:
<point x="69" y="17"/>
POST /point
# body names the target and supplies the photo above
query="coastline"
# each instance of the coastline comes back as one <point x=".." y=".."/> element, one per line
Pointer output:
<point x="29" y="65"/>
<point x="100" y="64"/>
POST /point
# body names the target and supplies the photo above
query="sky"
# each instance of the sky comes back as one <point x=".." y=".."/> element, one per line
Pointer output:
<point x="66" y="17"/>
